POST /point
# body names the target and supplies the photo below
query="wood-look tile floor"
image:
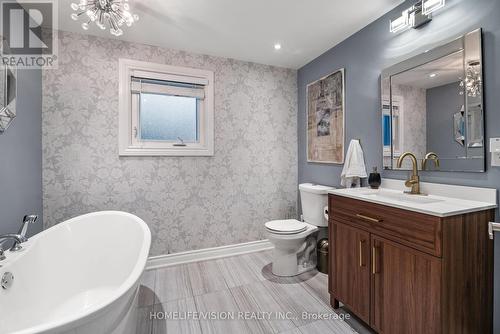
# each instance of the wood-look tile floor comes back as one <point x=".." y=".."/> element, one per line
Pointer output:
<point x="239" y="285"/>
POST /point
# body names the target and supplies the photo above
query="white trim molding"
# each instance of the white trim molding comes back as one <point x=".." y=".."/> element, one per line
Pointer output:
<point x="167" y="260"/>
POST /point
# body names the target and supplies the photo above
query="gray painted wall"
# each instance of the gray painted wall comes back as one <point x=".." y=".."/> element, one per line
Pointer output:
<point x="442" y="103"/>
<point x="366" y="53"/>
<point x="21" y="157"/>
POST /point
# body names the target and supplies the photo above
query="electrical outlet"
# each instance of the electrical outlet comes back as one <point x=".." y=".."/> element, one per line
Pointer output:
<point x="495" y="152"/>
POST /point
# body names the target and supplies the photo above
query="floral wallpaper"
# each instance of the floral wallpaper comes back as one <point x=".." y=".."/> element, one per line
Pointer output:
<point x="188" y="202"/>
<point x="414" y="119"/>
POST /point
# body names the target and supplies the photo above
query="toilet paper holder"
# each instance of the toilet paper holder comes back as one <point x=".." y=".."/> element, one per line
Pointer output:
<point x="492" y="228"/>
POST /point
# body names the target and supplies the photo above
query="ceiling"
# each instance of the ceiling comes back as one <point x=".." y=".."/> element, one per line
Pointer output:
<point x="437" y="73"/>
<point x="244" y="30"/>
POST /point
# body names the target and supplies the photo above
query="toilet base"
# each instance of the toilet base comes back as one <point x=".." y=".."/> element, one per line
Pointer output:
<point x="295" y="257"/>
<point x="299" y="269"/>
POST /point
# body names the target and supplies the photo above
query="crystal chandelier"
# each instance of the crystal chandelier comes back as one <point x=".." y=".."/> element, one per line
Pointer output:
<point x="473" y="80"/>
<point x="111" y="13"/>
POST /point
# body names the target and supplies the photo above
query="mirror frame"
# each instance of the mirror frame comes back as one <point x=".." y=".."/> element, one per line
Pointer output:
<point x="8" y="108"/>
<point x="467" y="42"/>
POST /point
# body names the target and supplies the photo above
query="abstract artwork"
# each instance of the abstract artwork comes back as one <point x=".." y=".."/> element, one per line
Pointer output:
<point x="325" y="119"/>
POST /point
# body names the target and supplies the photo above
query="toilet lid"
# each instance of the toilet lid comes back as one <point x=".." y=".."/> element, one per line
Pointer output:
<point x="288" y="226"/>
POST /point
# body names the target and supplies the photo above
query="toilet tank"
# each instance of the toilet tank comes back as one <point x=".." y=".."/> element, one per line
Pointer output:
<point x="314" y="199"/>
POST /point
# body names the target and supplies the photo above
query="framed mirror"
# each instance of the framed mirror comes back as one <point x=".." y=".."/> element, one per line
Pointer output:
<point x="433" y="102"/>
<point x="8" y="93"/>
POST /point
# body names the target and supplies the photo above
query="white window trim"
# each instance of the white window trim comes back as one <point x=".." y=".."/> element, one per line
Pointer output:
<point x="128" y="146"/>
<point x="396" y="101"/>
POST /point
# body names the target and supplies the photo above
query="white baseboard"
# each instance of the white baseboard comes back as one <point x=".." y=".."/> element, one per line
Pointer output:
<point x="160" y="261"/>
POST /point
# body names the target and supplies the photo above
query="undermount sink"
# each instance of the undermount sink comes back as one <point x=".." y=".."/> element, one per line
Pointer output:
<point x="443" y="200"/>
<point x="418" y="199"/>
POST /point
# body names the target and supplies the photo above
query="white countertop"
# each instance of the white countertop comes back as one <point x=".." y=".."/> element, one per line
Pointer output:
<point x="441" y="201"/>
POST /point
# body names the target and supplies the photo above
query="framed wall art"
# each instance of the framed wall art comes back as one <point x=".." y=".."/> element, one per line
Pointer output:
<point x="326" y="119"/>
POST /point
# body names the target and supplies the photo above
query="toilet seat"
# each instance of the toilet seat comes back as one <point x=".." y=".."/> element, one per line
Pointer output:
<point x="286" y="227"/>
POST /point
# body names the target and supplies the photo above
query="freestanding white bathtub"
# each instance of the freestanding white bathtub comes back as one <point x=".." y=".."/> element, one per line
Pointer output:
<point x="78" y="277"/>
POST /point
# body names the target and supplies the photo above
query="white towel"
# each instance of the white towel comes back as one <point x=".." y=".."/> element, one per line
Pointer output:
<point x="354" y="166"/>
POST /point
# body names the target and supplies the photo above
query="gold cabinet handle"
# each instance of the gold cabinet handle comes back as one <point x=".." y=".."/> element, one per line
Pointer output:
<point x="361" y="242"/>
<point x="370" y="219"/>
<point x="374" y="259"/>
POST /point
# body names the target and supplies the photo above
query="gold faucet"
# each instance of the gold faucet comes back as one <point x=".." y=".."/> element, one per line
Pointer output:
<point x="430" y="156"/>
<point x="414" y="180"/>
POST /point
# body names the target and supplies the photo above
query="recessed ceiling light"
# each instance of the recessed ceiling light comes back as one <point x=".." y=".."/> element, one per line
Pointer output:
<point x="432" y="75"/>
<point x="277" y="46"/>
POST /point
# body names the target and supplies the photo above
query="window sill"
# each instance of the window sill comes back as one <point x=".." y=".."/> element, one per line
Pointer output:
<point x="167" y="152"/>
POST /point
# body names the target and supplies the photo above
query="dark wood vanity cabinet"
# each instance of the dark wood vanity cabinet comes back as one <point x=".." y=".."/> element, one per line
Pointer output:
<point x="352" y="281"/>
<point x="405" y="289"/>
<point x="407" y="272"/>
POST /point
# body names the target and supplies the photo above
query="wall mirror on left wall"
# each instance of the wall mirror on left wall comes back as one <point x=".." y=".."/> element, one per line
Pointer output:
<point x="8" y="92"/>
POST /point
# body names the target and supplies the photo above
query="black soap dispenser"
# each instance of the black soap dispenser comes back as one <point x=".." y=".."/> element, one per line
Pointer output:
<point x="374" y="180"/>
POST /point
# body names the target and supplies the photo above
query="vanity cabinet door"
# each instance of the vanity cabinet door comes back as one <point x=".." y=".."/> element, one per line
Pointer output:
<point x="406" y="292"/>
<point x="351" y="268"/>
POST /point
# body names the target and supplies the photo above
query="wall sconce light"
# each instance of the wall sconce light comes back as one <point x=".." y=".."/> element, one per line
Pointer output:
<point x="416" y="16"/>
<point x="430" y="6"/>
<point x="400" y="23"/>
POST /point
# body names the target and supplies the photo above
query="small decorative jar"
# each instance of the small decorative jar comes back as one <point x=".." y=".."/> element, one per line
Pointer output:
<point x="374" y="180"/>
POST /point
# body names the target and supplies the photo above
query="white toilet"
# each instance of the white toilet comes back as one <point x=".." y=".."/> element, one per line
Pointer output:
<point x="295" y="241"/>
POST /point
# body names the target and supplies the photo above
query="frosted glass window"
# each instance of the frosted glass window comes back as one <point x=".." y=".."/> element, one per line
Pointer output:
<point x="168" y="118"/>
<point x="165" y="110"/>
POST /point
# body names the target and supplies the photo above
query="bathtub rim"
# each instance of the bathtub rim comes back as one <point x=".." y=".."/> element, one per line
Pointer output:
<point x="79" y="318"/>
